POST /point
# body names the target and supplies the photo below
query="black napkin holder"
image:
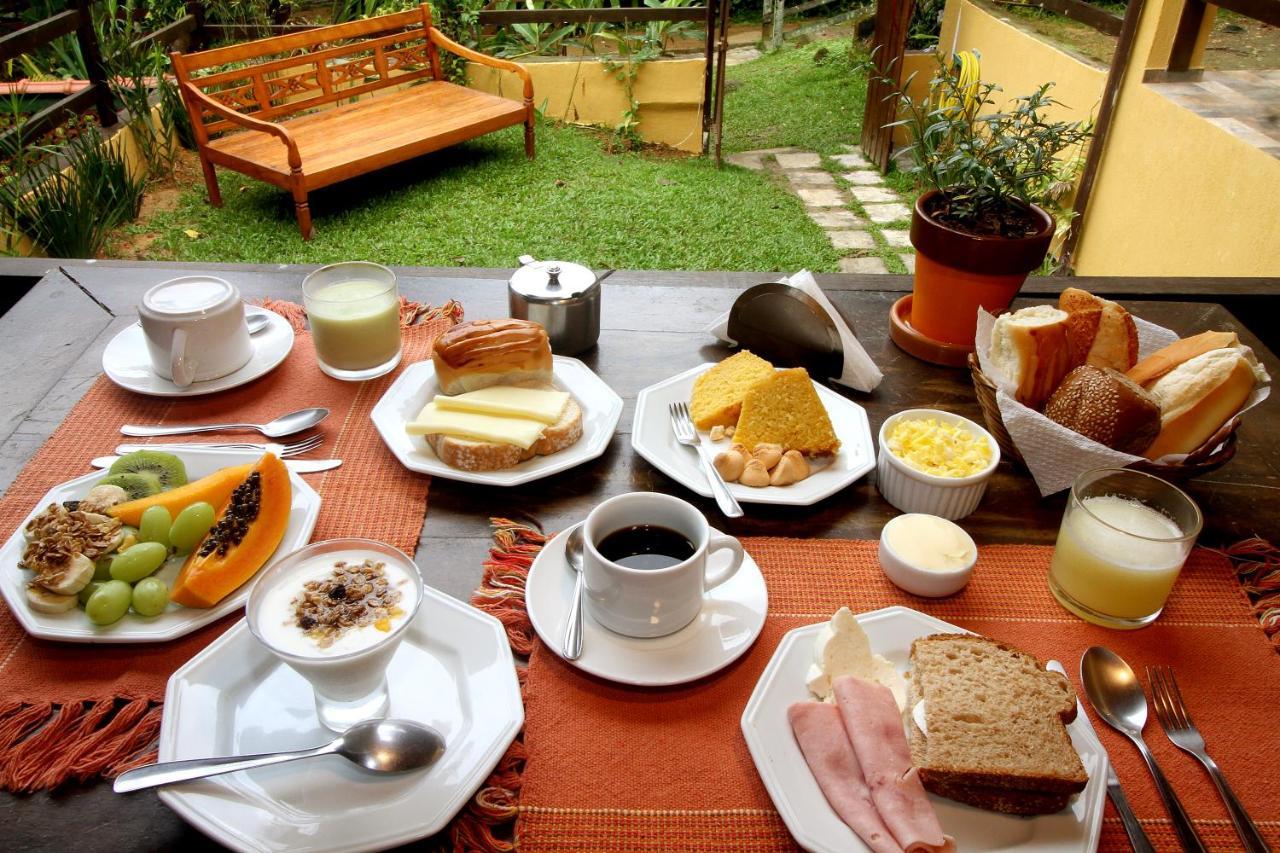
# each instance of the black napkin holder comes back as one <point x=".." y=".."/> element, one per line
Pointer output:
<point x="788" y="327"/>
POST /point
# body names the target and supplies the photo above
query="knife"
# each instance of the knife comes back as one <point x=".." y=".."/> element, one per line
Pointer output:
<point x="239" y="447"/>
<point x="297" y="466"/>
<point x="1137" y="837"/>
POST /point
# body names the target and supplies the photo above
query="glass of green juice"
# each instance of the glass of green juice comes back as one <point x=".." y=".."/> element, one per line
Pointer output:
<point x="1123" y="540"/>
<point x="354" y="311"/>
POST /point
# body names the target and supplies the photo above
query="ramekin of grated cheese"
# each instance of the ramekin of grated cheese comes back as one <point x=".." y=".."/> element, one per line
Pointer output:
<point x="934" y="462"/>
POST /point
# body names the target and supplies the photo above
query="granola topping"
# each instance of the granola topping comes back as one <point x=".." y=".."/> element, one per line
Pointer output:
<point x="353" y="595"/>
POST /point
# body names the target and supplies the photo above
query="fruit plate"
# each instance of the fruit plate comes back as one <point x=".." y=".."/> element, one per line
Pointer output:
<point x="75" y="627"/>
<point x="601" y="409"/>
<point x="652" y="438"/>
<point x="454" y="671"/>
<point x="804" y="809"/>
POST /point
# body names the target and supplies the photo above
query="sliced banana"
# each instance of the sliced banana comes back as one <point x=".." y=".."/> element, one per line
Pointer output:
<point x="42" y="600"/>
<point x="68" y="579"/>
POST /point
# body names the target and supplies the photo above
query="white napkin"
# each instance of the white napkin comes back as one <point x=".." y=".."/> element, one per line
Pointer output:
<point x="860" y="372"/>
<point x="1055" y="455"/>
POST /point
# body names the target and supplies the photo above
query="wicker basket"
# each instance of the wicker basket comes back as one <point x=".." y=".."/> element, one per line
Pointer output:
<point x="1210" y="456"/>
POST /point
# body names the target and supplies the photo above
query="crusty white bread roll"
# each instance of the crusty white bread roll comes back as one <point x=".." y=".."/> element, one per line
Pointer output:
<point x="1101" y="332"/>
<point x="483" y="353"/>
<point x="1162" y="361"/>
<point x="1102" y="404"/>
<point x="1030" y="347"/>
<point x="1200" y="395"/>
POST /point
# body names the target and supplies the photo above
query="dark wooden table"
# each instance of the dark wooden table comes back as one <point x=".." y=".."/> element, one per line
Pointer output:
<point x="51" y="345"/>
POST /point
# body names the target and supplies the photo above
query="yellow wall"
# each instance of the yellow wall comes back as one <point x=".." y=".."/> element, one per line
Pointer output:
<point x="1175" y="194"/>
<point x="583" y="91"/>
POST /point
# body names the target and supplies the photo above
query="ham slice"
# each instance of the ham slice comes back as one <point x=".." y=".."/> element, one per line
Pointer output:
<point x="874" y="728"/>
<point x="819" y="729"/>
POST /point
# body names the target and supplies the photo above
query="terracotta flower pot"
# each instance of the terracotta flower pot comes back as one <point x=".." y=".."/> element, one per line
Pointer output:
<point x="957" y="272"/>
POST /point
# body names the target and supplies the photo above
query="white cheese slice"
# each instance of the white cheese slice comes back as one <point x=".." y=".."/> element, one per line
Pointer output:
<point x="532" y="403"/>
<point x="433" y="420"/>
<point x="843" y="648"/>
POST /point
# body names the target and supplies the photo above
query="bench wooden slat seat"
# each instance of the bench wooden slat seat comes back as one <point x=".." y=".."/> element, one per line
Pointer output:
<point x="327" y="104"/>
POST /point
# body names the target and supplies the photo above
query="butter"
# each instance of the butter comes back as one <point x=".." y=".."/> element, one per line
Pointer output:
<point x="939" y="448"/>
<point x="929" y="542"/>
<point x="508" y="401"/>
<point x="843" y="648"/>
<point x="433" y="420"/>
<point x="917" y="717"/>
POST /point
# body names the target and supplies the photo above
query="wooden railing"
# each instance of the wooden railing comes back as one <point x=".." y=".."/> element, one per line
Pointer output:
<point x="1077" y="10"/>
<point x="775" y="13"/>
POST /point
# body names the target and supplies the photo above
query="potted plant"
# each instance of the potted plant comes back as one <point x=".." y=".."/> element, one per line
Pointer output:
<point x="977" y="229"/>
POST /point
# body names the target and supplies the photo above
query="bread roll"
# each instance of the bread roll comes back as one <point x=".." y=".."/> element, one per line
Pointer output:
<point x="482" y="353"/>
<point x="1030" y="347"/>
<point x="1200" y="395"/>
<point x="1102" y="404"/>
<point x="1162" y="361"/>
<point x="1101" y="332"/>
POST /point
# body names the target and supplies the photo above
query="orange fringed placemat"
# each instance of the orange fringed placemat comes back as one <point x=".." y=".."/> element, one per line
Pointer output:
<point x="70" y="711"/>
<point x="607" y="767"/>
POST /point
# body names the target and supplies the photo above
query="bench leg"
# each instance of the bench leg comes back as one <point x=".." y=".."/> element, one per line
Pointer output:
<point x="211" y="182"/>
<point x="301" y="208"/>
<point x="528" y="130"/>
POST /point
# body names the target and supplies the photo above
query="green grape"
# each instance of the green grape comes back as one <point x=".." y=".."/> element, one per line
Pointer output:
<point x="102" y="569"/>
<point x="150" y="597"/>
<point x="134" y="564"/>
<point x="155" y="525"/>
<point x="190" y="526"/>
<point x="89" y="589"/>
<point x="109" y="602"/>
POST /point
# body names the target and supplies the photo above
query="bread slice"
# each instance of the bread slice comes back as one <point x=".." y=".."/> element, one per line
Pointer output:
<point x="1164" y="360"/>
<point x="996" y="723"/>
<point x="786" y="410"/>
<point x="716" y="399"/>
<point x="1200" y="395"/>
<point x="1101" y="332"/>
<point x="467" y="455"/>
<point x="1031" y="350"/>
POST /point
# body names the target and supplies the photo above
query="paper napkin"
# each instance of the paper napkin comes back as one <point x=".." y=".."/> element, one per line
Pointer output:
<point x="860" y="372"/>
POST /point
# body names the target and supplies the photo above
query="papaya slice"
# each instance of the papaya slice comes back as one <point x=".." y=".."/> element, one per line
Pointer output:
<point x="213" y="490"/>
<point x="246" y="532"/>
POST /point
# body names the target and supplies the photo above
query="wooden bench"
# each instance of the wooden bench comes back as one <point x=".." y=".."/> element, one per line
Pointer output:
<point x="309" y="109"/>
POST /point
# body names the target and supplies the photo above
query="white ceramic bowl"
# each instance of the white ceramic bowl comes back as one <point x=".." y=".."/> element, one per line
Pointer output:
<point x="930" y="583"/>
<point x="910" y="490"/>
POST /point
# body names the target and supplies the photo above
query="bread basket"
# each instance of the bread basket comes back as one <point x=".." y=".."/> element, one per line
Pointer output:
<point x="1210" y="456"/>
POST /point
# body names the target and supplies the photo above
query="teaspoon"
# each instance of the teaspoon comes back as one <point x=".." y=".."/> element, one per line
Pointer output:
<point x="379" y="746"/>
<point x="280" y="427"/>
<point x="256" y="322"/>
<point x="572" y="645"/>
<point x="1117" y="697"/>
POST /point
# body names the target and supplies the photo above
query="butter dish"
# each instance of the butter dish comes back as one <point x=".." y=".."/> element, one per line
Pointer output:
<point x="927" y="555"/>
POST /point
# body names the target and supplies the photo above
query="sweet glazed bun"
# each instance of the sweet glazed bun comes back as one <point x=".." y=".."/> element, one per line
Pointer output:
<point x="483" y="353"/>
<point x="1101" y="404"/>
<point x="1030" y="347"/>
<point x="1200" y="395"/>
<point x="1101" y="332"/>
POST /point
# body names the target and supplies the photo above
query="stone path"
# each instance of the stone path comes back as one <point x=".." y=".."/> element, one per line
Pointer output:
<point x="846" y="196"/>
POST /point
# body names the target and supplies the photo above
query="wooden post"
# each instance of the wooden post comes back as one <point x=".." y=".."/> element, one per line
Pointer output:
<point x="708" y="78"/>
<point x="89" y="49"/>
<point x="779" y="10"/>
<point x="199" y="39"/>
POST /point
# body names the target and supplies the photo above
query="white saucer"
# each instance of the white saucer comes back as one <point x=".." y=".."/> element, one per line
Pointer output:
<point x="731" y="619"/>
<point x="453" y="671"/>
<point x="128" y="364"/>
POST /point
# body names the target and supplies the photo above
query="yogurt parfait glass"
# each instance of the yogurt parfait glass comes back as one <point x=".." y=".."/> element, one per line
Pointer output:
<point x="347" y="677"/>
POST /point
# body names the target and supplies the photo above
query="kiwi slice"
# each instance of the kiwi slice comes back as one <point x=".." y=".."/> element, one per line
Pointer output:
<point x="137" y="484"/>
<point x="165" y="467"/>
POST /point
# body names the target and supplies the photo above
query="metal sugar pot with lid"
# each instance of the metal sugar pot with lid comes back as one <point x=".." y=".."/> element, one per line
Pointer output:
<point x="563" y="297"/>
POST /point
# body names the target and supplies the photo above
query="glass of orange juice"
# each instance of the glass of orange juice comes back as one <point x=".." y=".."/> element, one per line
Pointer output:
<point x="1123" y="540"/>
<point x="354" y="312"/>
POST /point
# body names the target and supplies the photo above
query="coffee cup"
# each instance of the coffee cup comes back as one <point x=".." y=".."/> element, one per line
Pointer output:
<point x="648" y="561"/>
<point x="195" y="329"/>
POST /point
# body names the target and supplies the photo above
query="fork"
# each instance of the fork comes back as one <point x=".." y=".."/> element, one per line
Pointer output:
<point x="285" y="451"/>
<point x="1178" y="726"/>
<point x="682" y="426"/>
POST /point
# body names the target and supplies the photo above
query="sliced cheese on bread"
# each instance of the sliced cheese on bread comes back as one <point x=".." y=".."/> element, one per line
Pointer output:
<point x="435" y="420"/>
<point x="508" y="401"/>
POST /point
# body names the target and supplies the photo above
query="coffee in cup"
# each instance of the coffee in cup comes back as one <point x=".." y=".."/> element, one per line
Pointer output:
<point x="195" y="329"/>
<point x="648" y="561"/>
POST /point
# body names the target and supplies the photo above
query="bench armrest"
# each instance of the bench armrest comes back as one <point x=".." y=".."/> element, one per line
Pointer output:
<point x="248" y="122"/>
<point x="441" y="40"/>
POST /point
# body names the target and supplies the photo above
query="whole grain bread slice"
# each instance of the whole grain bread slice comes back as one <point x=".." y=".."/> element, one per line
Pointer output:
<point x="996" y="719"/>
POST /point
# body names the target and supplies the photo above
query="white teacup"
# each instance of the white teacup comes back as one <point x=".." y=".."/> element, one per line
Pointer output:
<point x="652" y="602"/>
<point x="195" y="329"/>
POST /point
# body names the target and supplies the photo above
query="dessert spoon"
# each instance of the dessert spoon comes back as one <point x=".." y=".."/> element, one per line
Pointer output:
<point x="379" y="746"/>
<point x="572" y="645"/>
<point x="1117" y="697"/>
<point x="278" y="428"/>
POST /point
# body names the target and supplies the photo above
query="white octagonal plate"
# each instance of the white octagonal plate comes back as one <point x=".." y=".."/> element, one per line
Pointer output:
<point x="453" y="671"/>
<point x="652" y="438"/>
<point x="75" y="627"/>
<point x="601" y="409"/>
<point x="810" y="819"/>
